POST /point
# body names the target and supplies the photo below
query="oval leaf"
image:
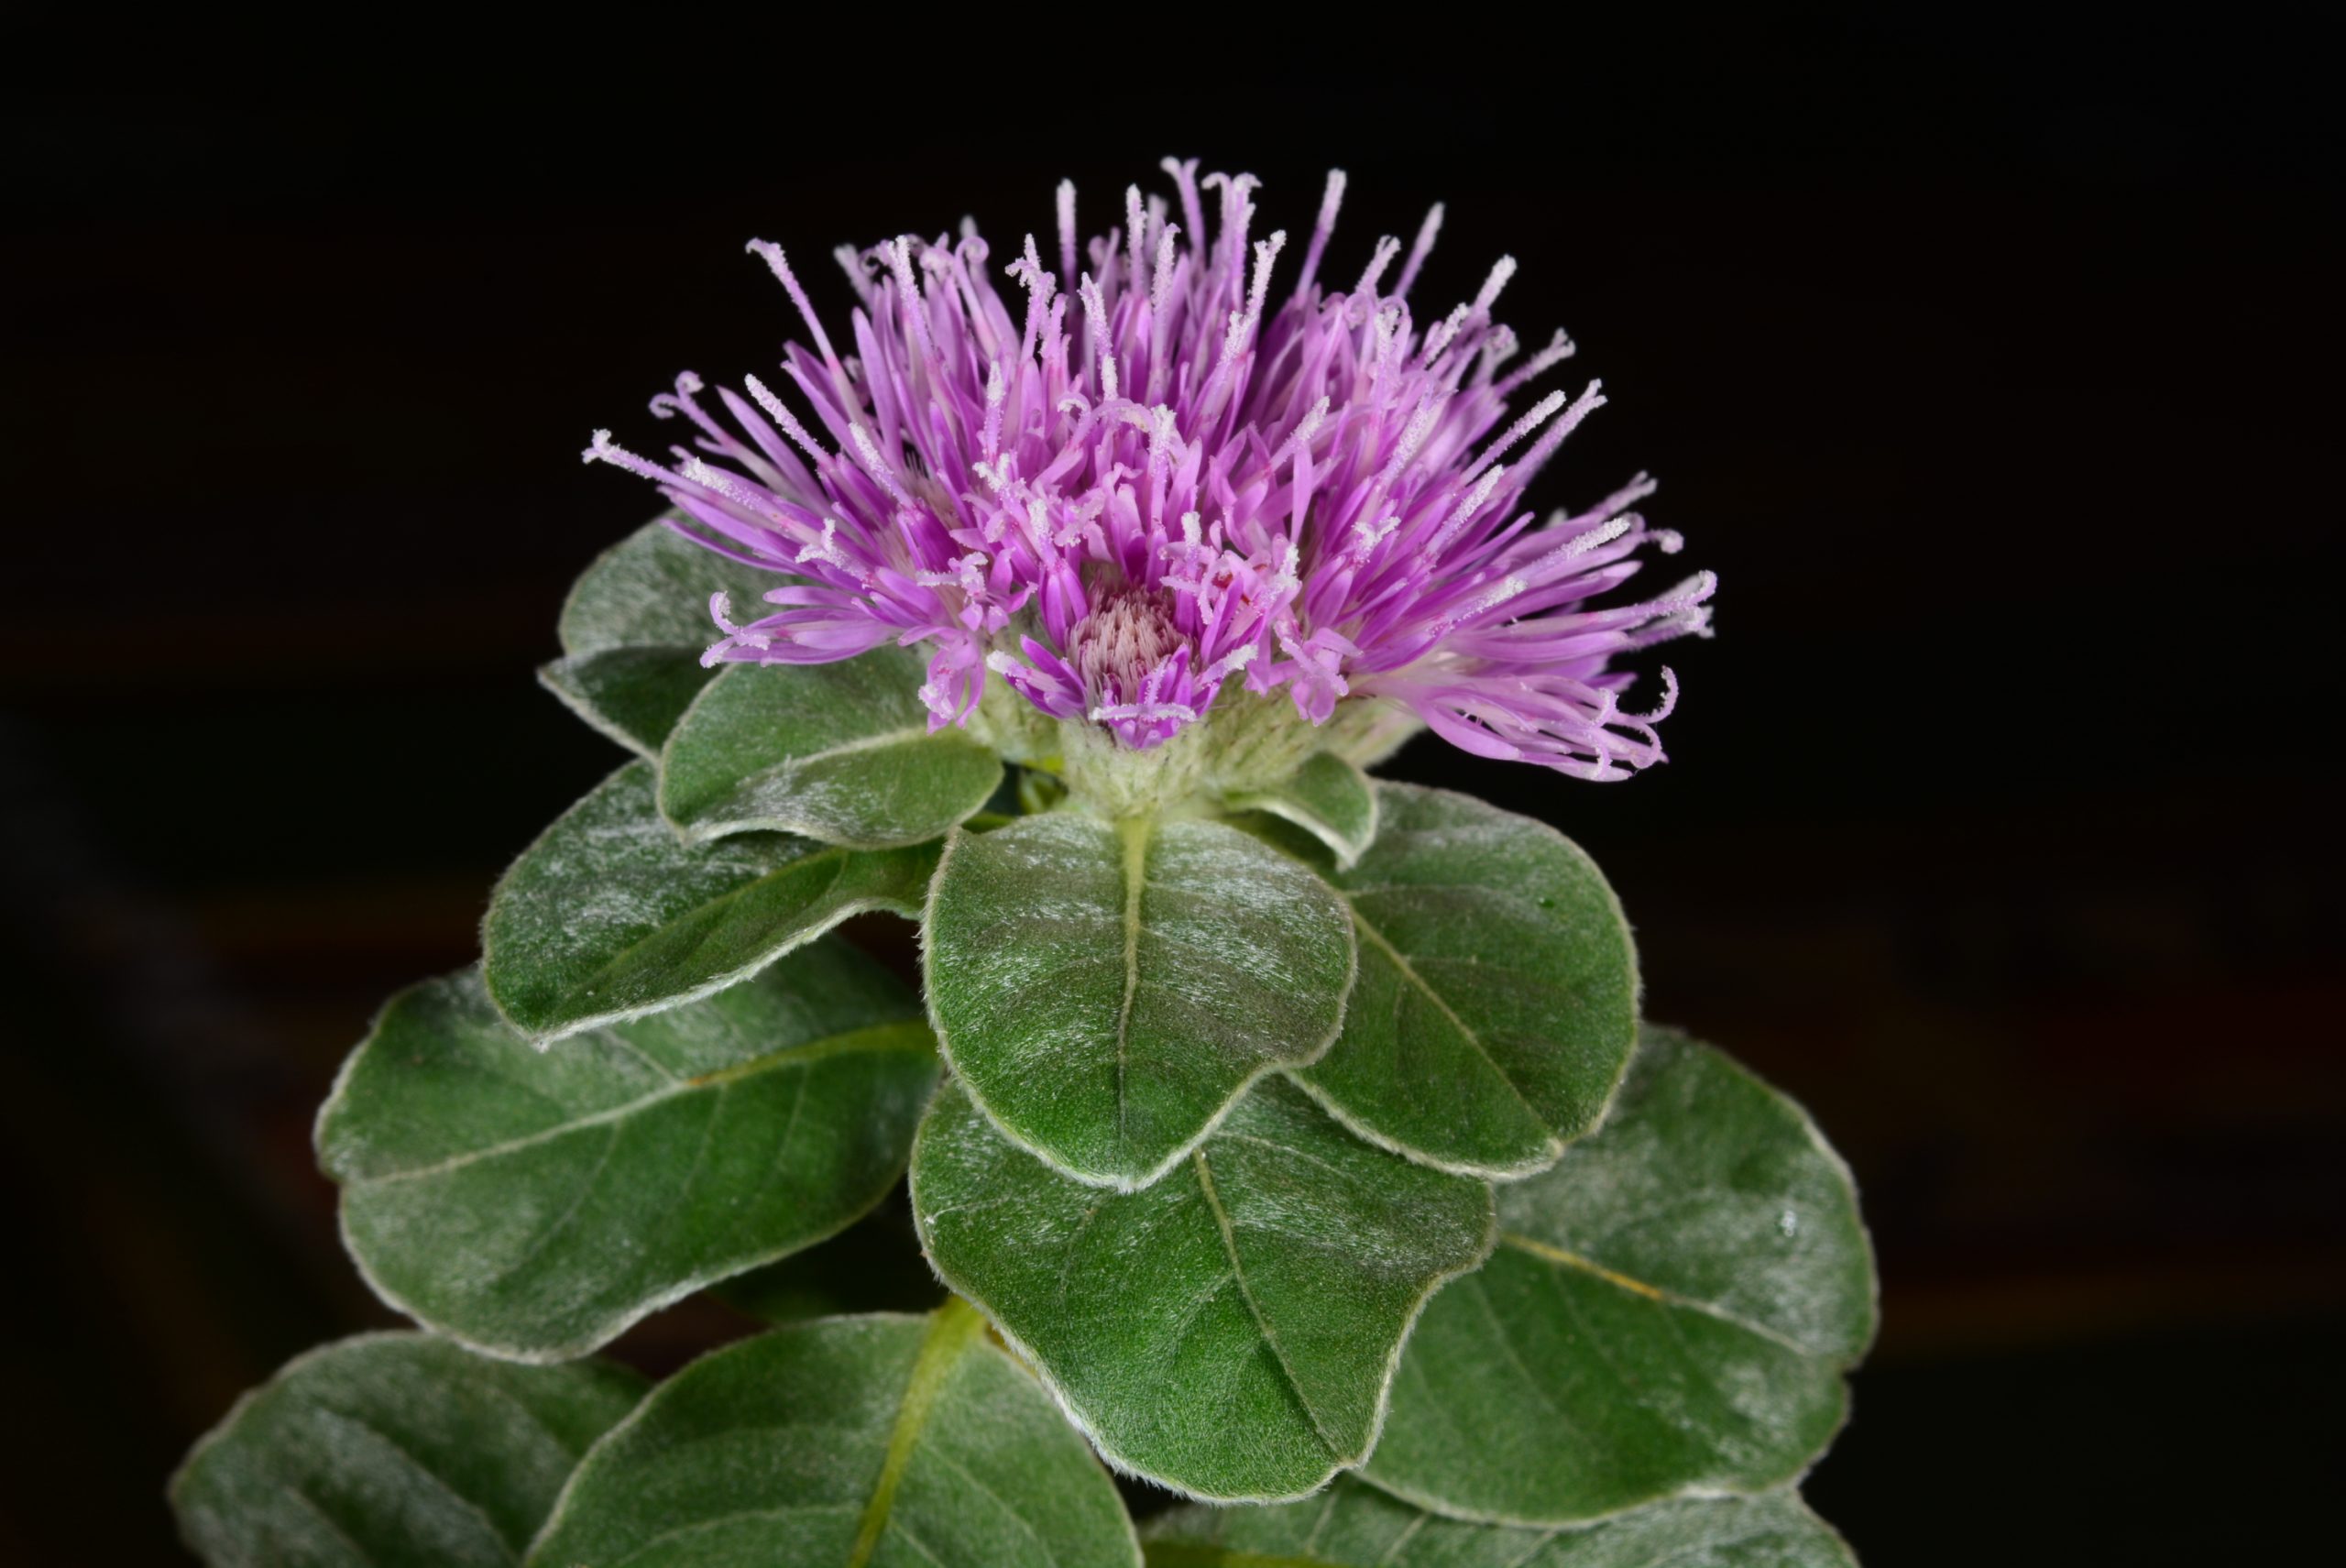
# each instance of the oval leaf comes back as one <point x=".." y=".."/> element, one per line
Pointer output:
<point x="1671" y="1309"/>
<point x="534" y="1203"/>
<point x="1355" y="1525"/>
<point x="1228" y="1331"/>
<point x="608" y="917"/>
<point x="633" y="630"/>
<point x="397" y="1451"/>
<point x="1327" y="797"/>
<point x="841" y="752"/>
<point x="882" y="1439"/>
<point x="1497" y="999"/>
<point x="1107" y="991"/>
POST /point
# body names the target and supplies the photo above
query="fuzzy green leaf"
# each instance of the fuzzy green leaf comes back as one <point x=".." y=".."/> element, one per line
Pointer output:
<point x="1355" y="1525"/>
<point x="1327" y="797"/>
<point x="1497" y="999"/>
<point x="633" y="629"/>
<point x="1107" y="991"/>
<point x="884" y="1441"/>
<point x="608" y="917"/>
<point x="633" y="695"/>
<point x="1228" y="1331"/>
<point x="840" y="752"/>
<point x="1671" y="1309"/>
<point x="534" y="1203"/>
<point x="874" y="1265"/>
<point x="393" y="1450"/>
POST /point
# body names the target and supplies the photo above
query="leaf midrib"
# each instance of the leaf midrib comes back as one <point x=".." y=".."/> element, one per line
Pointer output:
<point x="602" y="976"/>
<point x="1533" y="1247"/>
<point x="952" y="1329"/>
<point x="414" y="1462"/>
<point x="1246" y="1293"/>
<point x="300" y="1493"/>
<point x="1137" y="832"/>
<point x="1408" y="972"/>
<point x="904" y="1034"/>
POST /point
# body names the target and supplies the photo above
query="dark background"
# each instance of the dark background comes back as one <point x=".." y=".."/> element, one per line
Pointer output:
<point x="1990" y="362"/>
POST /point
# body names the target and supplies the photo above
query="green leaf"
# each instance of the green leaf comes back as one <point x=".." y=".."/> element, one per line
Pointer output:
<point x="874" y="1265"/>
<point x="533" y="1203"/>
<point x="1228" y="1331"/>
<point x="633" y="695"/>
<point x="608" y="917"/>
<point x="1106" y="993"/>
<point x="393" y="1450"/>
<point x="1497" y="999"/>
<point x="1355" y="1526"/>
<point x="1670" y="1311"/>
<point x="887" y="1441"/>
<point x="1327" y="797"/>
<point x="633" y="630"/>
<point x="841" y="752"/>
<point x="652" y="590"/>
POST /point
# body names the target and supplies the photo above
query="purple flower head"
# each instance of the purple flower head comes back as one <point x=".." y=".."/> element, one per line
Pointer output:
<point x="1148" y="482"/>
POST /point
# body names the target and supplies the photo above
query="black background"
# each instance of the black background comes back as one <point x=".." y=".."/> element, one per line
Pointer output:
<point x="1989" y="361"/>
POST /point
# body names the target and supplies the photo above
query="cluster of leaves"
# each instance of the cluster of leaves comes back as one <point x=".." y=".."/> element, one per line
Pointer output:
<point x="1304" y="1131"/>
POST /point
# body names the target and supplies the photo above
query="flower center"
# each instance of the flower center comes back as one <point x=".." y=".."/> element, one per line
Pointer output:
<point x="1129" y="633"/>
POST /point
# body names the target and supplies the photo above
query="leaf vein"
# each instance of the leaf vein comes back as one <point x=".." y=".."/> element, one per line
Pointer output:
<point x="1558" y="1255"/>
<point x="1136" y="834"/>
<point x="871" y="1038"/>
<point x="1254" y="1308"/>
<point x="1007" y="1507"/>
<point x="1465" y="1031"/>
<point x="439" y="1482"/>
